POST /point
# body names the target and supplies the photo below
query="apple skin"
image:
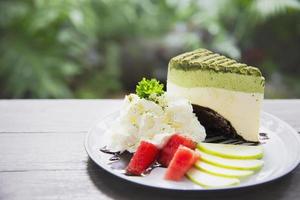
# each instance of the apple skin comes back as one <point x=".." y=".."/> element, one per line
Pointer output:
<point x="247" y="164"/>
<point x="232" y="151"/>
<point x="223" y="172"/>
<point x="207" y="180"/>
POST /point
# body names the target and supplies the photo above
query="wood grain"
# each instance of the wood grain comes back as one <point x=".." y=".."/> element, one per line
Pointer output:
<point x="53" y="115"/>
<point x="42" y="155"/>
<point x="94" y="183"/>
<point x="47" y="151"/>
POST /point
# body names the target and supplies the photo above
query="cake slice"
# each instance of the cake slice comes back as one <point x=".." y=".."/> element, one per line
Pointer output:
<point x="226" y="95"/>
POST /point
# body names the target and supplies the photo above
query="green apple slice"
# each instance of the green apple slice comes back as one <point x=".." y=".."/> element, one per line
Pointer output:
<point x="210" y="181"/>
<point x="248" y="164"/>
<point x="232" y="151"/>
<point x="219" y="171"/>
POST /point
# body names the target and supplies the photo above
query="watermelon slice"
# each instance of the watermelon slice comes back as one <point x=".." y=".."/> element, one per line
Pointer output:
<point x="183" y="159"/>
<point x="167" y="152"/>
<point x="144" y="156"/>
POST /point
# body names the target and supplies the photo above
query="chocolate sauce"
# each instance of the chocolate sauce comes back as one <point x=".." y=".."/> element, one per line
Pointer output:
<point x="114" y="158"/>
<point x="263" y="137"/>
<point x="149" y="169"/>
<point x="113" y="161"/>
<point x="119" y="161"/>
<point x="105" y="150"/>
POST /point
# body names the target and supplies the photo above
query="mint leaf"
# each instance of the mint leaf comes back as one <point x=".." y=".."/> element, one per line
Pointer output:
<point x="147" y="87"/>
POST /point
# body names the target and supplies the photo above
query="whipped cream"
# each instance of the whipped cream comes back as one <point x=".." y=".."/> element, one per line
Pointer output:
<point x="154" y="121"/>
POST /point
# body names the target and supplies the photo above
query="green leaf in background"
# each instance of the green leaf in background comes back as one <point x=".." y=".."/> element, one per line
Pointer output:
<point x="100" y="49"/>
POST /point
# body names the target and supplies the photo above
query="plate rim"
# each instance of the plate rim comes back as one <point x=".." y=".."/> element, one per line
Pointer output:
<point x="238" y="187"/>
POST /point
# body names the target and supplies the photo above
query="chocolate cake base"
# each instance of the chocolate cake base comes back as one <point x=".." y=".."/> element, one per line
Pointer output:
<point x="214" y="123"/>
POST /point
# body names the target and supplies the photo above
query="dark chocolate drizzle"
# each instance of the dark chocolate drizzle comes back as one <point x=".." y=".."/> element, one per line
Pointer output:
<point x="119" y="162"/>
<point x="153" y="166"/>
<point x="263" y="137"/>
<point x="116" y="156"/>
<point x="105" y="150"/>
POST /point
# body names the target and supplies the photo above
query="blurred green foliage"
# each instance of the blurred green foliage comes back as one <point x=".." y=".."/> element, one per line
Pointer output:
<point x="101" y="48"/>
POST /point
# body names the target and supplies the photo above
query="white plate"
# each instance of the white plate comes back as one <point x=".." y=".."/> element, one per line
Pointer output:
<point x="282" y="155"/>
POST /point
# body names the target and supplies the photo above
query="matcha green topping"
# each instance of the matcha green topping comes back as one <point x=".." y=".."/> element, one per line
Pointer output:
<point x="203" y="68"/>
<point x="146" y="87"/>
<point x="206" y="60"/>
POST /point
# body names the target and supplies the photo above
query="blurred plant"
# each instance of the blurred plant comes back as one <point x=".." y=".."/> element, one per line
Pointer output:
<point x="67" y="48"/>
<point x="227" y="26"/>
<point x="39" y="49"/>
<point x="52" y="48"/>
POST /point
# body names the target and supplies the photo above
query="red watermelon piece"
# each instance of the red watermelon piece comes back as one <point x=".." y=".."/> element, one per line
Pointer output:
<point x="183" y="159"/>
<point x="196" y="157"/>
<point x="144" y="156"/>
<point x="167" y="152"/>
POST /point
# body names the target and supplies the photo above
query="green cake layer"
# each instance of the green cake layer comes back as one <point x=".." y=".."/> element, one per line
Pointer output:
<point x="203" y="68"/>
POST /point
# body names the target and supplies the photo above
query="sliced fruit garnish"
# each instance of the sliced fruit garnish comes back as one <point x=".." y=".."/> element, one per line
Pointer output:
<point x="232" y="151"/>
<point x="247" y="164"/>
<point x="168" y="151"/>
<point x="183" y="159"/>
<point x="220" y="171"/>
<point x="144" y="156"/>
<point x="210" y="181"/>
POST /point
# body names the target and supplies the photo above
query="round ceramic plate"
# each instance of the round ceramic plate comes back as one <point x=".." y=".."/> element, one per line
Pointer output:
<point x="281" y="156"/>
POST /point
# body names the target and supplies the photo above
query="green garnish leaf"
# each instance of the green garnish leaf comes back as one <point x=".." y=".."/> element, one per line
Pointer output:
<point x="146" y="87"/>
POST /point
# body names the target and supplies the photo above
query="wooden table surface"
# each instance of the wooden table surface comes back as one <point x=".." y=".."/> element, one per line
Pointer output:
<point x="42" y="155"/>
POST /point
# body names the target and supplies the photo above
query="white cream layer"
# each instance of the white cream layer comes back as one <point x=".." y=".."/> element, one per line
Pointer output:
<point x="241" y="109"/>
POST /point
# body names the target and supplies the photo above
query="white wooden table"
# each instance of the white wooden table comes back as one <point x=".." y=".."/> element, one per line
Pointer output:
<point x="42" y="155"/>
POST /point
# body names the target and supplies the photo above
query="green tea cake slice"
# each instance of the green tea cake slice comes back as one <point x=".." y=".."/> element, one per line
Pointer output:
<point x="226" y="95"/>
